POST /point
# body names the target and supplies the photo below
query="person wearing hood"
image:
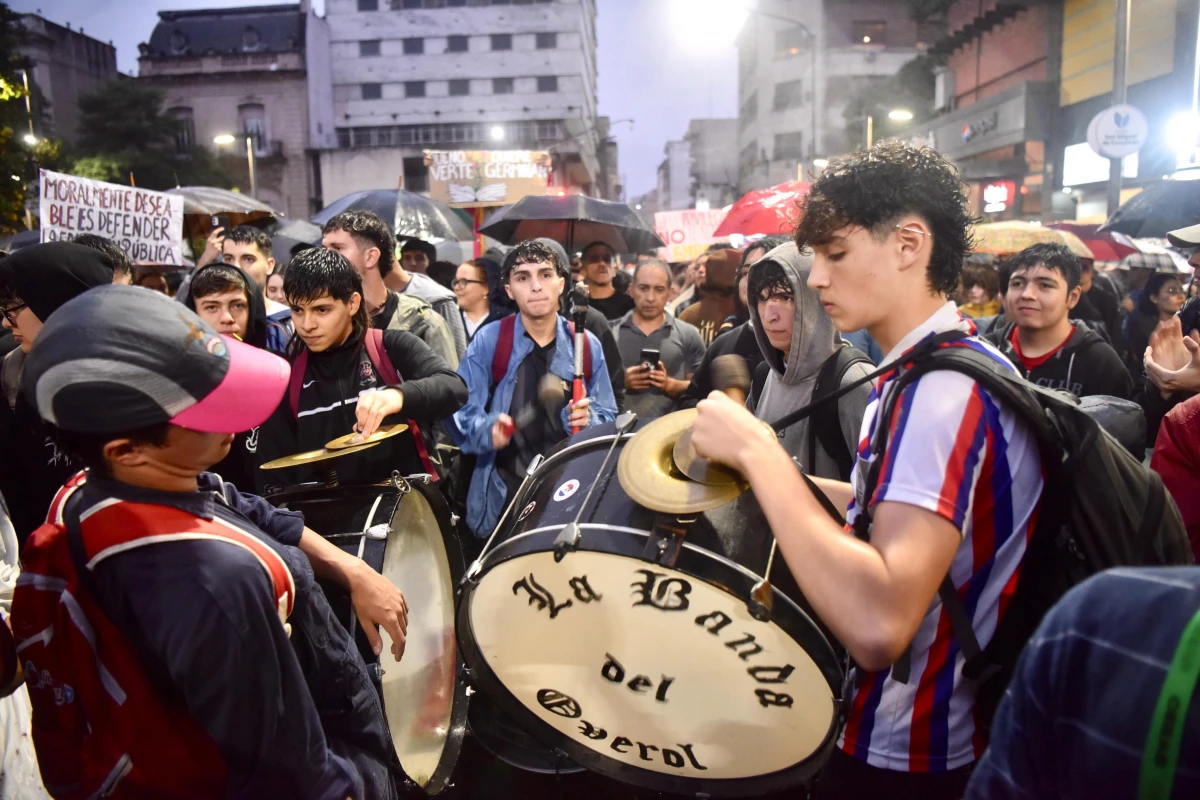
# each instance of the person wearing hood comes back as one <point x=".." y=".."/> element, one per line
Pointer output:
<point x="226" y="297"/>
<point x="806" y="359"/>
<point x="34" y="282"/>
<point x="717" y="292"/>
<point x="1042" y="285"/>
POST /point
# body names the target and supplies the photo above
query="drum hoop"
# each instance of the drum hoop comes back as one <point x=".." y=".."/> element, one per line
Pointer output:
<point x="788" y="616"/>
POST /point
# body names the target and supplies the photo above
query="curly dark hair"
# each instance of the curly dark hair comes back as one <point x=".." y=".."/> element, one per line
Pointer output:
<point x="369" y="231"/>
<point x="1051" y="255"/>
<point x="874" y="189"/>
<point x="531" y="252"/>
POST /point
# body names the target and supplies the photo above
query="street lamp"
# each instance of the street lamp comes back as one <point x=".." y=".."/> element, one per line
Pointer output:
<point x="228" y="138"/>
<point x="30" y="139"/>
<point x="497" y="133"/>
<point x="898" y="114"/>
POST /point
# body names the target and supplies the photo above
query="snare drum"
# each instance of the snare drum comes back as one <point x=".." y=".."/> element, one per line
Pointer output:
<point x="403" y="531"/>
<point x="636" y="655"/>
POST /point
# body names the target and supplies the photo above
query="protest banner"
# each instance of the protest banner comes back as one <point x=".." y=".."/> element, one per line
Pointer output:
<point x="687" y="233"/>
<point x="480" y="178"/>
<point x="148" y="225"/>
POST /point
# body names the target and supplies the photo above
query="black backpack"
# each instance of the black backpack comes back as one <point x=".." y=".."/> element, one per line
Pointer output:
<point x="1101" y="508"/>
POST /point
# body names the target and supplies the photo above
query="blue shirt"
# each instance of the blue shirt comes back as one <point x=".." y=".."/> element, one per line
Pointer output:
<point x="1075" y="719"/>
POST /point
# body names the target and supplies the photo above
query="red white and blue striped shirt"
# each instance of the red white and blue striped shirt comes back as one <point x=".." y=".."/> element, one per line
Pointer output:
<point x="954" y="451"/>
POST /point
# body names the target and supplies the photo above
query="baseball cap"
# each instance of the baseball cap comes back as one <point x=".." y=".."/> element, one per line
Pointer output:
<point x="1185" y="237"/>
<point x="119" y="358"/>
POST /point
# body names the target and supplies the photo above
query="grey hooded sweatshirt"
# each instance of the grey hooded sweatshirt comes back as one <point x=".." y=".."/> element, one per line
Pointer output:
<point x="790" y="385"/>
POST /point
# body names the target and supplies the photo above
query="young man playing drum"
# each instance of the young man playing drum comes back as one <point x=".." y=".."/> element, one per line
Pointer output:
<point x="539" y="343"/>
<point x="175" y="652"/>
<point x="958" y="491"/>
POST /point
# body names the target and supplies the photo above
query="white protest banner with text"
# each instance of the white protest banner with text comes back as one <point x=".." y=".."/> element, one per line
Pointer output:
<point x="146" y="224"/>
<point x="687" y="233"/>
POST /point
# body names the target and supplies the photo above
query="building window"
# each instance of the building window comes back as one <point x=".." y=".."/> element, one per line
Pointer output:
<point x="502" y="85"/>
<point x="372" y="91"/>
<point x="179" y="43"/>
<point x="548" y="83"/>
<point x="368" y="5"/>
<point x="547" y="41"/>
<point x="414" y="47"/>
<point x="253" y="119"/>
<point x="870" y="32"/>
<point x="749" y="110"/>
<point x="502" y="41"/>
<point x="414" y="88"/>
<point x="416" y="174"/>
<point x="185" y="137"/>
<point x="410" y="4"/>
<point x="788" y="95"/>
<point x="250" y="40"/>
<point x="789" y="145"/>
<point x="456" y="44"/>
<point x="791" y="42"/>
<point x="435" y="3"/>
<point x="368" y="48"/>
<point x="460" y="87"/>
<point x="497" y="2"/>
<point x="456" y="3"/>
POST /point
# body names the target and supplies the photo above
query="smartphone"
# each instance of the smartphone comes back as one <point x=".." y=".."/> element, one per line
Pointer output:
<point x="650" y="357"/>
<point x="220" y="222"/>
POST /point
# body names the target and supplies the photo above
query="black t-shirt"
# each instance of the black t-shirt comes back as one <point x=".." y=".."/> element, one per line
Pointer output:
<point x="545" y="431"/>
<point x="614" y="307"/>
<point x="383" y="317"/>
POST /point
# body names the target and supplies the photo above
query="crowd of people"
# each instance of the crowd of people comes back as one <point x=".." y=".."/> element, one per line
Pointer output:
<point x="139" y="412"/>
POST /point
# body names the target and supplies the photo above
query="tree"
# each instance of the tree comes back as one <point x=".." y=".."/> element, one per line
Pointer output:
<point x="124" y="131"/>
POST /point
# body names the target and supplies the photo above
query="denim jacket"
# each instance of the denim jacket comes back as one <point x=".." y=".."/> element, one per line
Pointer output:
<point x="472" y="425"/>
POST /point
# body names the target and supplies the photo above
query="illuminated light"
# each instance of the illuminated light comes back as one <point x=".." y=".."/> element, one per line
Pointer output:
<point x="866" y="40"/>
<point x="820" y="163"/>
<point x="1024" y="190"/>
<point x="224" y="138"/>
<point x="900" y="114"/>
<point x="638" y="207"/>
<point x="497" y="133"/>
<point x="707" y="25"/>
<point x="30" y="139"/>
<point x="1066" y="190"/>
<point x="997" y="196"/>
<point x="795" y="51"/>
<point x="562" y="194"/>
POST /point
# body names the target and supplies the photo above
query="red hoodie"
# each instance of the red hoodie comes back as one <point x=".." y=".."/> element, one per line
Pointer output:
<point x="1177" y="459"/>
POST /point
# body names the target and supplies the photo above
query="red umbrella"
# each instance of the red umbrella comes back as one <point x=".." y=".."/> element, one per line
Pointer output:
<point x="1106" y="245"/>
<point x="766" y="211"/>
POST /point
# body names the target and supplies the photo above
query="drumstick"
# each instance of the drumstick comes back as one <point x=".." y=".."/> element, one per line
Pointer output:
<point x="550" y="392"/>
<point x="731" y="376"/>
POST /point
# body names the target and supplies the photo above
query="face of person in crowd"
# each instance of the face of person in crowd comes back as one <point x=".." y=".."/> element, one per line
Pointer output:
<point x="777" y="310"/>
<point x="254" y="262"/>
<point x="155" y="282"/>
<point x="228" y="312"/>
<point x="325" y="322"/>
<point x="414" y="261"/>
<point x="363" y="257"/>
<point x="184" y="452"/>
<point x="599" y="265"/>
<point x="650" y="290"/>
<point x="1169" y="298"/>
<point x="1087" y="271"/>
<point x="752" y="255"/>
<point x="977" y="295"/>
<point x="23" y="323"/>
<point x="536" y="289"/>
<point x="1038" y="298"/>
<point x="470" y="286"/>
<point x="275" y="289"/>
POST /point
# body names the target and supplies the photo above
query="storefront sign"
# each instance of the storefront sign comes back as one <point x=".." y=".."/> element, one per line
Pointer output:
<point x="998" y="196"/>
<point x="1118" y="131"/>
<point x="687" y="233"/>
<point x="981" y="126"/>
<point x="1008" y="118"/>
<point x="147" y="225"/>
<point x="479" y="178"/>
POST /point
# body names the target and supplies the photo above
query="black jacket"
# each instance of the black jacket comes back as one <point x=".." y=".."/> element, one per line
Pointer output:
<point x="1099" y="309"/>
<point x="1087" y="365"/>
<point x="741" y="341"/>
<point x="332" y="383"/>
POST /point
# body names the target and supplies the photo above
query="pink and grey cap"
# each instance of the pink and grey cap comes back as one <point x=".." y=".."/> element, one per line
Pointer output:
<point x="119" y="358"/>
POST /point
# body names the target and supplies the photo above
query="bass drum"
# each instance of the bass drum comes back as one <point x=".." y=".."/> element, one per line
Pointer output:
<point x="403" y="531"/>
<point x="637" y="655"/>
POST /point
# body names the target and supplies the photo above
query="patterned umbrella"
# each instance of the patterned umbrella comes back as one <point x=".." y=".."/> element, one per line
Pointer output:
<point x="1006" y="238"/>
<point x="412" y="216"/>
<point x="767" y="211"/>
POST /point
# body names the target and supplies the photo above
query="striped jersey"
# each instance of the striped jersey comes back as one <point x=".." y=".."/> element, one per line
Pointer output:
<point x="954" y="451"/>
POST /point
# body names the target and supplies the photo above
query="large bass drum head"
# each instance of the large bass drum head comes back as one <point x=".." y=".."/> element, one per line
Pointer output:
<point x="655" y="676"/>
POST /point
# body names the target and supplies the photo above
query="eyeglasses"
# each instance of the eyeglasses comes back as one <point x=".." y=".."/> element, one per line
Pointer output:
<point x="10" y="313"/>
<point x="461" y="283"/>
<point x="1171" y="290"/>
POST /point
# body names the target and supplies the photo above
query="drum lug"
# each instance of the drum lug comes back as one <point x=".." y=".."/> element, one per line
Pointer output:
<point x="664" y="544"/>
<point x="380" y="531"/>
<point x="472" y="572"/>
<point x="567" y="541"/>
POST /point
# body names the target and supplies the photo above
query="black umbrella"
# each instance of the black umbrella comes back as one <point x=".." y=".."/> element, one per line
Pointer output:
<point x="412" y="216"/>
<point x="1163" y="206"/>
<point x="575" y="221"/>
<point x="290" y="235"/>
<point x="11" y="244"/>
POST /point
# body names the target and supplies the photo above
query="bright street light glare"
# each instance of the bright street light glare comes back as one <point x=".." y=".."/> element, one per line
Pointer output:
<point x="1183" y="132"/>
<point x="224" y="138"/>
<point x="30" y="139"/>
<point x="820" y="163"/>
<point x="707" y="24"/>
<point x="497" y="133"/>
<point x="900" y="114"/>
<point x="638" y="207"/>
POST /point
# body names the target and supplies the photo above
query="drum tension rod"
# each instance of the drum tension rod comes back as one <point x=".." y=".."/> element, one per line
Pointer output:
<point x="476" y="565"/>
<point x="762" y="597"/>
<point x="568" y="538"/>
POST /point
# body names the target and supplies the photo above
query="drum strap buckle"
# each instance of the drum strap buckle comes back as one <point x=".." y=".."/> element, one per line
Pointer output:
<point x="665" y="542"/>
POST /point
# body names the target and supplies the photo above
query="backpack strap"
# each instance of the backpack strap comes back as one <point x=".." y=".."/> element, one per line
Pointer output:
<point x="826" y="426"/>
<point x="387" y="370"/>
<point x="296" y="382"/>
<point x="504" y="348"/>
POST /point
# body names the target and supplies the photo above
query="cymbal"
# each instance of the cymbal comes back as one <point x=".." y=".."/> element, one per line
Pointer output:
<point x="384" y="432"/>
<point x="647" y="470"/>
<point x="700" y="469"/>
<point x="302" y="459"/>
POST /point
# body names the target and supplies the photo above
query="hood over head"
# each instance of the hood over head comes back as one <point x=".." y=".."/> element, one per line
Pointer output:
<point x="46" y="276"/>
<point x="256" y="325"/>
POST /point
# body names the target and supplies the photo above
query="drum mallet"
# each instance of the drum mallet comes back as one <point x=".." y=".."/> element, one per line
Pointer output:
<point x="731" y="376"/>
<point x="579" y="308"/>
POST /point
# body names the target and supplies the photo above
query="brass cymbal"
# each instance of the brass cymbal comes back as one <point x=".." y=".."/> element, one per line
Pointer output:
<point x="303" y="459"/>
<point x="647" y="470"/>
<point x="384" y="432"/>
<point x="700" y="469"/>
